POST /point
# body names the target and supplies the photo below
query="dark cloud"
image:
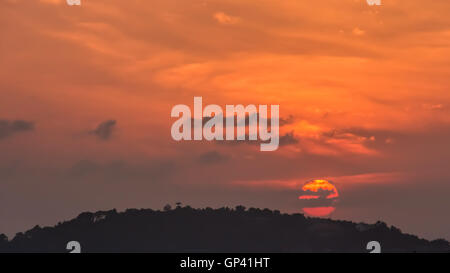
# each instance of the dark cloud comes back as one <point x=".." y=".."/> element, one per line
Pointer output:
<point x="83" y="167"/>
<point x="9" y="128"/>
<point x="314" y="203"/>
<point x="286" y="121"/>
<point x="119" y="170"/>
<point x="288" y="139"/>
<point x="372" y="138"/>
<point x="9" y="170"/>
<point x="282" y="121"/>
<point x="285" y="140"/>
<point x="105" y="129"/>
<point x="322" y="198"/>
<point x="212" y="157"/>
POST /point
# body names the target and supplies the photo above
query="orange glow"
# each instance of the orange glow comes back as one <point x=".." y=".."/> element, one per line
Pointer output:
<point x="319" y="211"/>
<point x="308" y="197"/>
<point x="363" y="94"/>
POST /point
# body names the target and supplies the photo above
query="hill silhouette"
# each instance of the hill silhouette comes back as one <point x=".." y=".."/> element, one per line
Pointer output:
<point x="185" y="229"/>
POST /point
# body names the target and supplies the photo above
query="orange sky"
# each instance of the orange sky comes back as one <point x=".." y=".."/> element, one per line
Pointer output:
<point x="364" y="88"/>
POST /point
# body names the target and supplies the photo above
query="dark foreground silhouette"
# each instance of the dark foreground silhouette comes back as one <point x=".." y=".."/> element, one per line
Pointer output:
<point x="185" y="229"/>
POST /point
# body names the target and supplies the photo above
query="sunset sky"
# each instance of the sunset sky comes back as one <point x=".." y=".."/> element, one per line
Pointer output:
<point x="86" y="93"/>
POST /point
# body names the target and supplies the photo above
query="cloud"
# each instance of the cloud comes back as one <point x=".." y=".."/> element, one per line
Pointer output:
<point x="358" y="32"/>
<point x="370" y="138"/>
<point x="287" y="121"/>
<point x="282" y="121"/>
<point x="9" y="128"/>
<point x="285" y="140"/>
<point x="225" y="19"/>
<point x="122" y="171"/>
<point x="372" y="178"/>
<point x="288" y="139"/>
<point x="163" y="52"/>
<point x="320" y="201"/>
<point x="83" y="167"/>
<point x="212" y="157"/>
<point x="53" y="2"/>
<point x="105" y="129"/>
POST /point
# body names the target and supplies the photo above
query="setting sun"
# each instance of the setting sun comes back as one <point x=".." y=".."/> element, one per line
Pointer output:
<point x="318" y="197"/>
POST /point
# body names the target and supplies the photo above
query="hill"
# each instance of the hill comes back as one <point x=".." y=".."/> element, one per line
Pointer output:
<point x="185" y="229"/>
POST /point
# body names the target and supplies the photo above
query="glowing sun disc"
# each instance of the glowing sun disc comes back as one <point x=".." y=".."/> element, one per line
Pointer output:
<point x="319" y="197"/>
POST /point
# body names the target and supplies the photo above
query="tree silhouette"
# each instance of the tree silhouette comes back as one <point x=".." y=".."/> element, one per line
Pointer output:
<point x="214" y="230"/>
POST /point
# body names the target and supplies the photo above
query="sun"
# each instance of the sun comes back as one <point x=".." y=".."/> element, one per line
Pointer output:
<point x="318" y="197"/>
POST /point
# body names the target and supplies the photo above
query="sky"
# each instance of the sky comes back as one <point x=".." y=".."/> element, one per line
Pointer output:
<point x="86" y="94"/>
